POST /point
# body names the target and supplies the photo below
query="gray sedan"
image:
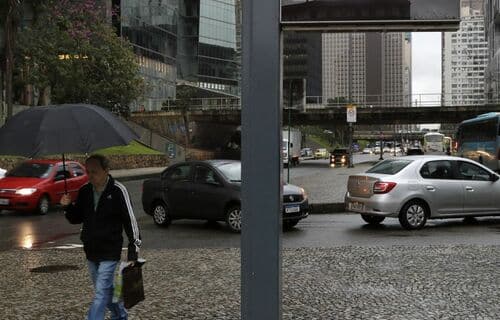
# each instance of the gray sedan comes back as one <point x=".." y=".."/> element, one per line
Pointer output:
<point x="416" y="188"/>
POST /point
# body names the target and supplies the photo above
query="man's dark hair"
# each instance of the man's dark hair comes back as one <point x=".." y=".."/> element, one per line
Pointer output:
<point x="103" y="161"/>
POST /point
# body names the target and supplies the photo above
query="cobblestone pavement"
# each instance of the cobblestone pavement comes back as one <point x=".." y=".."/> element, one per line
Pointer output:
<point x="401" y="282"/>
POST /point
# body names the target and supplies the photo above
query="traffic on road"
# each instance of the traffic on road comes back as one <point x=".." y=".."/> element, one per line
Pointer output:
<point x="29" y="230"/>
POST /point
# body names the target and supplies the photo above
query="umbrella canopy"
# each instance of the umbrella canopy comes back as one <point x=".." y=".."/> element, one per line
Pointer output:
<point x="66" y="128"/>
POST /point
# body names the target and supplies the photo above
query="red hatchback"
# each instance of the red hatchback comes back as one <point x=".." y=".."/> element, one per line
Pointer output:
<point x="36" y="185"/>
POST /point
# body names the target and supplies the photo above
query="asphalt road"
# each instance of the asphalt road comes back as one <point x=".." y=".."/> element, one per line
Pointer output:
<point x="22" y="230"/>
<point x="321" y="231"/>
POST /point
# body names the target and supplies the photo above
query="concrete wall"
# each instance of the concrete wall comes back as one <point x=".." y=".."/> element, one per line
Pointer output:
<point x="174" y="151"/>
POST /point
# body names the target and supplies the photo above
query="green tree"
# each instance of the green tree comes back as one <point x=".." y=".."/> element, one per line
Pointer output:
<point x="10" y="15"/>
<point x="72" y="54"/>
<point x="183" y="100"/>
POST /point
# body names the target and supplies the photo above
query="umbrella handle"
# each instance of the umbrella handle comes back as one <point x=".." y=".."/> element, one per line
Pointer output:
<point x="64" y="171"/>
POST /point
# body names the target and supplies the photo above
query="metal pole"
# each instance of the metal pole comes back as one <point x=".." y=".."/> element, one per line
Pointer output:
<point x="262" y="163"/>
<point x="395" y="138"/>
<point x="289" y="122"/>
<point x="350" y="165"/>
<point x="350" y="128"/>
<point x="381" y="147"/>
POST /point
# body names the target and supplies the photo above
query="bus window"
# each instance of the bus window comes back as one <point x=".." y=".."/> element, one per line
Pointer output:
<point x="479" y="139"/>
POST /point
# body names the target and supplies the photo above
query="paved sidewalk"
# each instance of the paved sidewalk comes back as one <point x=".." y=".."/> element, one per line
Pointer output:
<point x="390" y="283"/>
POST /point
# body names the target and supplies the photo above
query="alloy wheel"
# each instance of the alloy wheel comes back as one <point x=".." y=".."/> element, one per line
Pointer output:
<point x="415" y="215"/>
<point x="234" y="219"/>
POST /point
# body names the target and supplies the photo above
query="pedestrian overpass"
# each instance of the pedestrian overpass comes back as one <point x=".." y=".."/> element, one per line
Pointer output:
<point x="374" y="112"/>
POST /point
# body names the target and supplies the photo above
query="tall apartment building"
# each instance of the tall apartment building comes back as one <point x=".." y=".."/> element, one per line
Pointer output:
<point x="367" y="68"/>
<point x="465" y="58"/>
<point x="492" y="34"/>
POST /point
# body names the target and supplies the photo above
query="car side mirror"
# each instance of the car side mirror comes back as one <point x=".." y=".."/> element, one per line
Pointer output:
<point x="494" y="177"/>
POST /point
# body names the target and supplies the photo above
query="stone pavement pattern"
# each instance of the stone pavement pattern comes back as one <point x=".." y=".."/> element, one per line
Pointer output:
<point x="400" y="282"/>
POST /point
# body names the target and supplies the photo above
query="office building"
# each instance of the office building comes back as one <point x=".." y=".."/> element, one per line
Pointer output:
<point x="465" y="58"/>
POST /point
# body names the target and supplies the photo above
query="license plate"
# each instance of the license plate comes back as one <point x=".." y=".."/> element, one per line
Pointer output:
<point x="292" y="209"/>
<point x="358" y="206"/>
<point x="4" y="202"/>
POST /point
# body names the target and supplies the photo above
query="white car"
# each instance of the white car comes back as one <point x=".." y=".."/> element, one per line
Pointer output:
<point x="2" y="173"/>
<point x="367" y="151"/>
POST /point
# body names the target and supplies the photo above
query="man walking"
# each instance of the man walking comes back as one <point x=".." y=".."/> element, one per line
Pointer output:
<point x="103" y="207"/>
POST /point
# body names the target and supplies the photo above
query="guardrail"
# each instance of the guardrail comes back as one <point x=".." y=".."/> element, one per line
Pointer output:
<point x="318" y="102"/>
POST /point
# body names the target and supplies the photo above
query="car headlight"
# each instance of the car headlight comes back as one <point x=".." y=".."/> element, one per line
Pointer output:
<point x="304" y="193"/>
<point x="26" y="191"/>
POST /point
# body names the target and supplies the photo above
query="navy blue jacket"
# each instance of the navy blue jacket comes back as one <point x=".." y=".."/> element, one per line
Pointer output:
<point x="102" y="228"/>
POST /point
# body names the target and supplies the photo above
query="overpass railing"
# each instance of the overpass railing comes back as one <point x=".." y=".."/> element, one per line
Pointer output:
<point x="321" y="102"/>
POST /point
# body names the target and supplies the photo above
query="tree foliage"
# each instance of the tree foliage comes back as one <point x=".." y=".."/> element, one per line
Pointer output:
<point x="73" y="50"/>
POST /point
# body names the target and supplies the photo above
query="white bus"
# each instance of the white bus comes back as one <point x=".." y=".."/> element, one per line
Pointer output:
<point x="433" y="142"/>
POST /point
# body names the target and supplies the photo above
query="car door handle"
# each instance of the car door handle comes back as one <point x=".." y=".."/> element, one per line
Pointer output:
<point x="430" y="188"/>
<point x="469" y="188"/>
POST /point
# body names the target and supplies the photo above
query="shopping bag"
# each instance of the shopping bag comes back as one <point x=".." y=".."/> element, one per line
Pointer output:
<point x="132" y="286"/>
<point x="118" y="283"/>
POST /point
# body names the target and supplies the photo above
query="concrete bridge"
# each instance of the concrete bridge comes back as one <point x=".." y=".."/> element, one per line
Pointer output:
<point x="333" y="115"/>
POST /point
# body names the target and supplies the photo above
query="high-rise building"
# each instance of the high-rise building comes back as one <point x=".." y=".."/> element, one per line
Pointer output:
<point x="367" y="68"/>
<point x="151" y="28"/>
<point x="465" y="58"/>
<point x="191" y="42"/>
<point x="208" y="45"/>
<point x="302" y="61"/>
<point x="492" y="37"/>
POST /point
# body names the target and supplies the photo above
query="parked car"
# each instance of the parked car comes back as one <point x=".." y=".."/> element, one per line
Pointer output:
<point x="321" y="153"/>
<point x="416" y="188"/>
<point x="339" y="157"/>
<point x="367" y="151"/>
<point x="306" y="153"/>
<point x="36" y="185"/>
<point x="210" y="190"/>
<point x="414" y="151"/>
<point x="2" y="173"/>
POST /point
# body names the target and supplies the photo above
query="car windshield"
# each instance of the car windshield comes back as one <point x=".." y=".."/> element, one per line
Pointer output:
<point x="339" y="151"/>
<point x="31" y="170"/>
<point x="232" y="171"/>
<point x="389" y="166"/>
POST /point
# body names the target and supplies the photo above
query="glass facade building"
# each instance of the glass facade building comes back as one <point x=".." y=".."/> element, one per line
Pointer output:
<point x="151" y="28"/>
<point x="208" y="46"/>
<point x="182" y="41"/>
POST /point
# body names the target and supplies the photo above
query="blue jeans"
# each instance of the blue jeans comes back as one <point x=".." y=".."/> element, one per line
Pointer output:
<point x="103" y="274"/>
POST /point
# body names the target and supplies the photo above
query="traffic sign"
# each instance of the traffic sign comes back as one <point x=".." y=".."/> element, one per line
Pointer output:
<point x="351" y="113"/>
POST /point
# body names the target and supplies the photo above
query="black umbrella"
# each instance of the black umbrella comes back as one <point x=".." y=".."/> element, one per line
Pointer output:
<point x="66" y="128"/>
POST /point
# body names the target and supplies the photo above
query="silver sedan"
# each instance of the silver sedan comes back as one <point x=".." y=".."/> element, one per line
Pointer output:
<point x="416" y="188"/>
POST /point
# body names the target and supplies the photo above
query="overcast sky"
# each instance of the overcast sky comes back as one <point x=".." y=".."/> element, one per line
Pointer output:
<point x="426" y="62"/>
<point x="426" y="66"/>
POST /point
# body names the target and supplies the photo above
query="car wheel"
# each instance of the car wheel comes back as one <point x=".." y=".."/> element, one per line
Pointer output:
<point x="288" y="224"/>
<point x="161" y="215"/>
<point x="233" y="218"/>
<point x="413" y="216"/>
<point x="43" y="205"/>
<point x="373" y="220"/>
